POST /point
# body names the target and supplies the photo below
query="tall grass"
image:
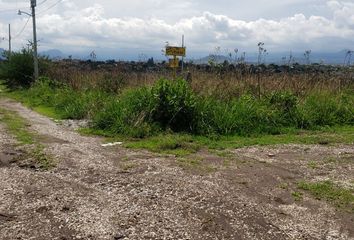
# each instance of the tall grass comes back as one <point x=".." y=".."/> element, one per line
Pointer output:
<point x="223" y="83"/>
<point x="67" y="102"/>
<point x="175" y="106"/>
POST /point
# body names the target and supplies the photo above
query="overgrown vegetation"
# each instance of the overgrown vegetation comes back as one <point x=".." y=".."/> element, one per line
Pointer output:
<point x="173" y="106"/>
<point x="327" y="190"/>
<point x="115" y="107"/>
<point x="17" y="70"/>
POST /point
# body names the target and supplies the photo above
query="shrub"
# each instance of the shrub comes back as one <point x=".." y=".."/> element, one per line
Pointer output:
<point x="174" y="105"/>
<point x="18" y="70"/>
<point x="226" y="118"/>
<point x="130" y="114"/>
<point x="285" y="103"/>
<point x="79" y="105"/>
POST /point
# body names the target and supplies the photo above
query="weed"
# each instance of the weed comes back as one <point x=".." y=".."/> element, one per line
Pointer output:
<point x="125" y="159"/>
<point x="191" y="161"/>
<point x="313" y="165"/>
<point x="44" y="160"/>
<point x="128" y="166"/>
<point x="195" y="163"/>
<point x="172" y="106"/>
<point x="226" y="163"/>
<point x="16" y="126"/>
<point x="298" y="196"/>
<point x="284" y="186"/>
<point x="327" y="190"/>
<point x="179" y="145"/>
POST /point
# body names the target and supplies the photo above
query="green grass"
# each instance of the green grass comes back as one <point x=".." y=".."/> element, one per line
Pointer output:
<point x="45" y="161"/>
<point x="16" y="126"/>
<point x="185" y="144"/>
<point x="327" y="190"/>
<point x="155" y="117"/>
<point x="27" y="101"/>
<point x="195" y="163"/>
<point x="312" y="165"/>
<point x="174" y="106"/>
<point x="175" y="144"/>
<point x="298" y="196"/>
<point x="48" y="111"/>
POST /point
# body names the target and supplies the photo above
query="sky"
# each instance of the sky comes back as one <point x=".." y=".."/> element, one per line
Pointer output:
<point x="121" y="28"/>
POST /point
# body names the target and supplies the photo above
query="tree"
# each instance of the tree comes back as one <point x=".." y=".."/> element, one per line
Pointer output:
<point x="18" y="70"/>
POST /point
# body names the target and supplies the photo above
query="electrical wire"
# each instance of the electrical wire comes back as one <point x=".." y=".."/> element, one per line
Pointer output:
<point x="8" y="10"/>
<point x="41" y="2"/>
<point x="50" y="7"/>
<point x="23" y="28"/>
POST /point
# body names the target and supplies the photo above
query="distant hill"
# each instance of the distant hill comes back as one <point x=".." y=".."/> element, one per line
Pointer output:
<point x="53" y="54"/>
<point x="283" y="58"/>
<point x="216" y="58"/>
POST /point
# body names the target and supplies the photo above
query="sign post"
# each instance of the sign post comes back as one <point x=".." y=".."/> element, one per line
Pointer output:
<point x="175" y="52"/>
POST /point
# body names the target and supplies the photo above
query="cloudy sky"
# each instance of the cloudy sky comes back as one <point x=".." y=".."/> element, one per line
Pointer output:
<point x="143" y="26"/>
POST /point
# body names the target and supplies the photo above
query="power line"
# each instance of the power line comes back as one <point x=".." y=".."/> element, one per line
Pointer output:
<point x="23" y="28"/>
<point x="41" y="2"/>
<point x="9" y="10"/>
<point x="50" y="7"/>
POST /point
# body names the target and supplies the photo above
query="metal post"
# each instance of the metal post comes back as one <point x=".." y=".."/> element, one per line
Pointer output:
<point x="35" y="55"/>
<point x="182" y="56"/>
<point x="9" y="40"/>
<point x="175" y="68"/>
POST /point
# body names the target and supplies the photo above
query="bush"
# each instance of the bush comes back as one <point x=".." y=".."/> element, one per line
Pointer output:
<point x="18" y="71"/>
<point x="174" y="105"/>
<point x="130" y="114"/>
<point x="139" y="112"/>
<point x="285" y="105"/>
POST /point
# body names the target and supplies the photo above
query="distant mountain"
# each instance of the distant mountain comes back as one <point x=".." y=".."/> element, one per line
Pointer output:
<point x="215" y="58"/>
<point x="336" y="58"/>
<point x="53" y="54"/>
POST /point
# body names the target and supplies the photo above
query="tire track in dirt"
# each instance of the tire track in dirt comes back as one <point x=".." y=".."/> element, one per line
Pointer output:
<point x="90" y="195"/>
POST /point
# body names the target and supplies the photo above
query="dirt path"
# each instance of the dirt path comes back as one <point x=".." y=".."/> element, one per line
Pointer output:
<point x="97" y="192"/>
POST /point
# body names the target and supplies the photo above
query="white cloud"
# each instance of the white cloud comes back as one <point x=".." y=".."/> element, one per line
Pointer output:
<point x="89" y="27"/>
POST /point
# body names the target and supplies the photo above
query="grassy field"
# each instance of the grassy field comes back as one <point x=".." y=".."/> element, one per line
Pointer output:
<point x="218" y="106"/>
<point x="170" y="118"/>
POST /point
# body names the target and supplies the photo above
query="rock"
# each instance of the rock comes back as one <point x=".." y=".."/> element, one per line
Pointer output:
<point x="111" y="144"/>
<point x="118" y="236"/>
<point x="6" y="217"/>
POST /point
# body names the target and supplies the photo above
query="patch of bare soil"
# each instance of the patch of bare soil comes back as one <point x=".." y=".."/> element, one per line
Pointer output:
<point x="98" y="192"/>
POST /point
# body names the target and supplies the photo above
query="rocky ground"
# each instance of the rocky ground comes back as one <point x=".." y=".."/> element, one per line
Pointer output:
<point x="111" y="192"/>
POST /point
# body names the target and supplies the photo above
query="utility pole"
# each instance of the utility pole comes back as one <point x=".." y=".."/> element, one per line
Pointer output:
<point x="9" y="40"/>
<point x="35" y="55"/>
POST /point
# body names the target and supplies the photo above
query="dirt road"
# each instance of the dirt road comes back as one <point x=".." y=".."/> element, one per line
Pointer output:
<point x="97" y="192"/>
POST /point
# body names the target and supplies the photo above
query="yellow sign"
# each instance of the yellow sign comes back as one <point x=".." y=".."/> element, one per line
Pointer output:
<point x="174" y="63"/>
<point x="176" y="51"/>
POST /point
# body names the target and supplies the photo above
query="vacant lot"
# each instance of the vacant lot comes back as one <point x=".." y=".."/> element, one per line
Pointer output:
<point x="57" y="184"/>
